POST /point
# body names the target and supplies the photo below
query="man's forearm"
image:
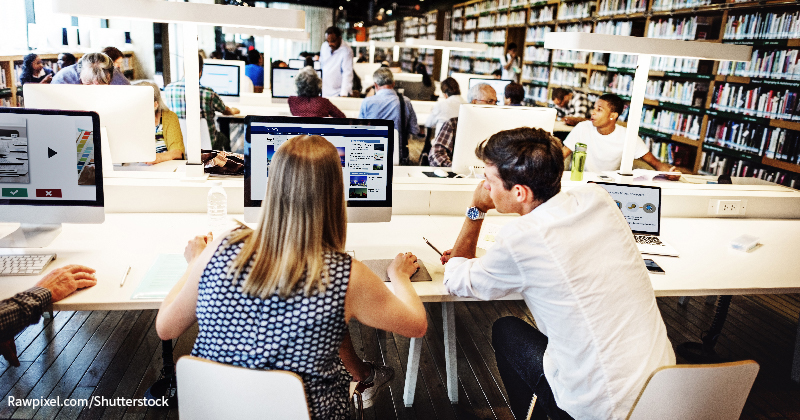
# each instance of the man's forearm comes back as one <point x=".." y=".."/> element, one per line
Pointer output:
<point x="467" y="241"/>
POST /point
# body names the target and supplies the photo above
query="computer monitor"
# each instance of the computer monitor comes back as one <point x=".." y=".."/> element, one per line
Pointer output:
<point x="317" y="65"/>
<point x="477" y="123"/>
<point x="50" y="166"/>
<point x="499" y="86"/>
<point x="463" y="81"/>
<point x="365" y="148"/>
<point x="224" y="76"/>
<point x="283" y="82"/>
<point x="365" y="72"/>
<point x="296" y="63"/>
<point x="126" y="115"/>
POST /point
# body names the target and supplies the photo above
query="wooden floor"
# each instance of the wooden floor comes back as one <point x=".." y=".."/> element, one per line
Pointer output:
<point x="117" y="354"/>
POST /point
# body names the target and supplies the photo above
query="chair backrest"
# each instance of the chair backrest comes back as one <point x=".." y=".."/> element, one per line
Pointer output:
<point x="205" y="136"/>
<point x="690" y="392"/>
<point x="211" y="390"/>
<point x="396" y="153"/>
<point x="247" y="85"/>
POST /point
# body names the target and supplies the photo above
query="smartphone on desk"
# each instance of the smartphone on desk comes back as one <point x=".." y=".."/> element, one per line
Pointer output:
<point x="653" y="267"/>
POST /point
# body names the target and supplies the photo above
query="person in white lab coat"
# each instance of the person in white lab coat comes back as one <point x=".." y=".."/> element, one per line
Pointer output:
<point x="336" y="58"/>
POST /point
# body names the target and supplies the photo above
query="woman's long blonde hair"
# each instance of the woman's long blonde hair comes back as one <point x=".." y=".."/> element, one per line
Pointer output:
<point x="303" y="216"/>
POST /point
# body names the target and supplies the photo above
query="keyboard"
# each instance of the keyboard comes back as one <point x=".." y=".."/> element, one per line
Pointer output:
<point x="647" y="240"/>
<point x="24" y="265"/>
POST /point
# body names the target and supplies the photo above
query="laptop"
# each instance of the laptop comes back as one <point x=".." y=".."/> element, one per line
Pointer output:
<point x="641" y="207"/>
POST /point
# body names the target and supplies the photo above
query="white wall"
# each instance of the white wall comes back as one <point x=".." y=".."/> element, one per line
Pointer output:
<point x="12" y="26"/>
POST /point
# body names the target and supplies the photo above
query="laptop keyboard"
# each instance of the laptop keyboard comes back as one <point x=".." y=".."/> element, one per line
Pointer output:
<point x="647" y="240"/>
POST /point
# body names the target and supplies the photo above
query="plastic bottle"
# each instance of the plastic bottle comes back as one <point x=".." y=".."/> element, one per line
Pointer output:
<point x="578" y="162"/>
<point x="217" y="204"/>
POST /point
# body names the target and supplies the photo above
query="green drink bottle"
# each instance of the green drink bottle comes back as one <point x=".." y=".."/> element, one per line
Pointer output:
<point x="578" y="162"/>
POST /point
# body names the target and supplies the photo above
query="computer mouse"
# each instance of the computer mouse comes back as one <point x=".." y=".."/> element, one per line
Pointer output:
<point x="441" y="173"/>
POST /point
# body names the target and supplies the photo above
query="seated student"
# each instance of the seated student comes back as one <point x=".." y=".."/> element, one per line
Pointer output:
<point x="303" y="230"/>
<point x="572" y="107"/>
<point x="385" y="105"/>
<point x="34" y="71"/>
<point x="514" y="93"/>
<point x="255" y="70"/>
<point x="604" y="139"/>
<point x="71" y="75"/>
<point x="210" y="102"/>
<point x="169" y="139"/>
<point x="442" y="149"/>
<point x="66" y="60"/>
<point x="308" y="102"/>
<point x="115" y="55"/>
<point x="448" y="107"/>
<point x="571" y="255"/>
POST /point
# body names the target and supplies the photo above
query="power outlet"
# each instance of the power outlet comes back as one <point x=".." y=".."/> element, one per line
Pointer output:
<point x="727" y="207"/>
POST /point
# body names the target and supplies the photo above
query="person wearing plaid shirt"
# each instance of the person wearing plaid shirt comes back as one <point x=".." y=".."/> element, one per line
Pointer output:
<point x="210" y="103"/>
<point x="25" y="308"/>
<point x="442" y="149"/>
<point x="572" y="107"/>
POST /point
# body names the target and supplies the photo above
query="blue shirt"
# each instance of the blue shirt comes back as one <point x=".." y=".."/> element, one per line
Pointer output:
<point x="255" y="73"/>
<point x="69" y="76"/>
<point x="384" y="106"/>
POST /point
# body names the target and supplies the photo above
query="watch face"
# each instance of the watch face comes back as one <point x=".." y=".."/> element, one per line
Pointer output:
<point x="473" y="213"/>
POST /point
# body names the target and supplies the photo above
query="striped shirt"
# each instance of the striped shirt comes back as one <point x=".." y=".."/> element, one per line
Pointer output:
<point x="175" y="98"/>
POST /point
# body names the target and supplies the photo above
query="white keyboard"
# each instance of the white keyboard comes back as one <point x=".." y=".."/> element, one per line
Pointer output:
<point x="24" y="265"/>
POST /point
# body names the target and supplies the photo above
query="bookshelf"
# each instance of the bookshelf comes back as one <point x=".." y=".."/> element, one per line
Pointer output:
<point x="11" y="69"/>
<point x="427" y="26"/>
<point x="386" y="32"/>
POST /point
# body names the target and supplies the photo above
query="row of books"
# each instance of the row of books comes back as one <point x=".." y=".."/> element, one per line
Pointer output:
<point x="495" y="51"/>
<point x="576" y="10"/>
<point x="516" y="18"/>
<point x="715" y="163"/>
<point x="537" y="33"/>
<point x="671" y="153"/>
<point x="620" y="27"/>
<point x="680" y="65"/>
<point x="672" y="122"/>
<point x="545" y="14"/>
<point x="618" y="7"/>
<point x="538" y="54"/>
<point x="774" y="64"/>
<point x="679" y="28"/>
<point x="465" y="37"/>
<point x="760" y="101"/>
<point x="567" y="77"/>
<point x="740" y="136"/>
<point x="659" y="5"/>
<point x="623" y="61"/>
<point x="497" y="35"/>
<point x="3" y="81"/>
<point x="783" y="25"/>
<point x="575" y="27"/>
<point x="619" y="84"/>
<point x="535" y="93"/>
<point x="673" y="91"/>
<point x="784" y="145"/>
<point x="569" y="56"/>
<point x="535" y="73"/>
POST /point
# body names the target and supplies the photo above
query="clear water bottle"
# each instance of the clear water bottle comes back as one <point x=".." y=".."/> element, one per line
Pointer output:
<point x="217" y="204"/>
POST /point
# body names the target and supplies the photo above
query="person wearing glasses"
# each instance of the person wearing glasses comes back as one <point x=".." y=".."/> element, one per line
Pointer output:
<point x="443" y="144"/>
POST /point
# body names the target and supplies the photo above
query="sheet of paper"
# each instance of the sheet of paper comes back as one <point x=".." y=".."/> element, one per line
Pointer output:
<point x="488" y="232"/>
<point x="163" y="274"/>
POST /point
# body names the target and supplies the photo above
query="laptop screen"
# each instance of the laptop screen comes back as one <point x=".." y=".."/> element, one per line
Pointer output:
<point x="640" y="204"/>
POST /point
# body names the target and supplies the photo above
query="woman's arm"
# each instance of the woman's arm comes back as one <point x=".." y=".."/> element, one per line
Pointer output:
<point x="173" y="137"/>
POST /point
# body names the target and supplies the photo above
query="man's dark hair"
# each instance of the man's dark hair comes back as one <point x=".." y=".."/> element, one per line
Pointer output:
<point x="511" y="46"/>
<point x="497" y="72"/>
<point x="113" y="53"/>
<point x="560" y="93"/>
<point x="450" y="87"/>
<point x="614" y="102"/>
<point x="515" y="93"/>
<point x="69" y="59"/>
<point x="253" y="56"/>
<point x="200" y="61"/>
<point x="333" y="31"/>
<point x="525" y="156"/>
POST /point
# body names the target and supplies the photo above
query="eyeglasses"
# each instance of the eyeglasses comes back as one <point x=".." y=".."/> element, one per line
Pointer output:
<point x="487" y="102"/>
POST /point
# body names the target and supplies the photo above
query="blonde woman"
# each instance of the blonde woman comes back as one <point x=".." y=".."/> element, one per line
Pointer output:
<point x="169" y="139"/>
<point x="280" y="297"/>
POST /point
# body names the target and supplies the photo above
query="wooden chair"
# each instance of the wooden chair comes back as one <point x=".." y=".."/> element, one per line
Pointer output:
<point x="693" y="392"/>
<point x="211" y="390"/>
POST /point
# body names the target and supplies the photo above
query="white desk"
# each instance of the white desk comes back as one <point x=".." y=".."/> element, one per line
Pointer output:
<point x="282" y="110"/>
<point x="706" y="267"/>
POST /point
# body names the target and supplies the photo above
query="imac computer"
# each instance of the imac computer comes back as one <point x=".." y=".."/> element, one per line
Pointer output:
<point x="296" y="63"/>
<point x="477" y="123"/>
<point x="365" y="148"/>
<point x="126" y="116"/>
<point x="224" y="76"/>
<point x="499" y="86"/>
<point x="283" y="83"/>
<point x="365" y="72"/>
<point x="50" y="166"/>
<point x="463" y="81"/>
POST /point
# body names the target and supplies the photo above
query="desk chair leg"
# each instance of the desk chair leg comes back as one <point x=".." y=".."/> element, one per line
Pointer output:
<point x="796" y="360"/>
<point x="683" y="300"/>
<point x="449" y="317"/>
<point x="704" y="352"/>
<point x="166" y="385"/>
<point x="412" y="371"/>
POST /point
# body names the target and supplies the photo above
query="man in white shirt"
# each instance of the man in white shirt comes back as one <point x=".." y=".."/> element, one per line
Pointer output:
<point x="604" y="139"/>
<point x="336" y="58"/>
<point x="573" y="259"/>
<point x="511" y="64"/>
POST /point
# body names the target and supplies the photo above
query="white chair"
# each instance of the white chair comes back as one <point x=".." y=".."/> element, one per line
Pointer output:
<point x="396" y="154"/>
<point x="247" y="85"/>
<point x="205" y="136"/>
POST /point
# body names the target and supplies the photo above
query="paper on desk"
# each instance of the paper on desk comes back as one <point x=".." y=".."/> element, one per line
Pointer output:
<point x="163" y="274"/>
<point x="648" y="175"/>
<point x="488" y="233"/>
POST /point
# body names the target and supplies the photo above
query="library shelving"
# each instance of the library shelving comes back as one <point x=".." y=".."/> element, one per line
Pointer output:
<point x="427" y="26"/>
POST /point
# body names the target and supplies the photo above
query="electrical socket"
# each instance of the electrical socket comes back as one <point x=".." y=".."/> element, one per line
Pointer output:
<point x="727" y="207"/>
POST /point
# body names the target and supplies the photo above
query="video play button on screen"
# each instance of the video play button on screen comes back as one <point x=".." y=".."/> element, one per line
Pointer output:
<point x="51" y="152"/>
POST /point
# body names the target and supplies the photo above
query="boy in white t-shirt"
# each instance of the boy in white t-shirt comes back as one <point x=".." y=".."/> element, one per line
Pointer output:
<point x="604" y="139"/>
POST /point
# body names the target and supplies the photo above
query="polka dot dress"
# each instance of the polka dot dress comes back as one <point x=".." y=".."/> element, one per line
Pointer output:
<point x="299" y="334"/>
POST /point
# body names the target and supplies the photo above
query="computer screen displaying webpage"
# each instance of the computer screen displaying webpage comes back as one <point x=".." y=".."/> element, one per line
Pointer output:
<point x="362" y="150"/>
<point x="639" y="205"/>
<point x="223" y="79"/>
<point x="47" y="157"/>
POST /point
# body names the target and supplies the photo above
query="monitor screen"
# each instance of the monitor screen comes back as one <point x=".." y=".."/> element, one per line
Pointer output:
<point x="640" y="205"/>
<point x="297" y="63"/>
<point x="317" y="65"/>
<point x="223" y="78"/>
<point x="283" y="82"/>
<point x="499" y="86"/>
<point x="365" y="148"/>
<point x="50" y="158"/>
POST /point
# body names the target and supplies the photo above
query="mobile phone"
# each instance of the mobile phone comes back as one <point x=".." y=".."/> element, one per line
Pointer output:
<point x="605" y="177"/>
<point x="653" y="267"/>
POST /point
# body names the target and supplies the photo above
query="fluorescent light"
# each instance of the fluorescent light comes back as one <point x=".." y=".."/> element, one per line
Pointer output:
<point x="448" y="45"/>
<point x="582" y="41"/>
<point x="293" y="35"/>
<point x="179" y="12"/>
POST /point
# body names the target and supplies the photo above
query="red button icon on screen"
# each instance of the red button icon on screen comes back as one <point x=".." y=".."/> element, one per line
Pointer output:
<point x="48" y="193"/>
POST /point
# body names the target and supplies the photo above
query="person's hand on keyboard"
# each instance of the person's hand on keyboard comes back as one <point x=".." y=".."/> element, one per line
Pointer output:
<point x="63" y="281"/>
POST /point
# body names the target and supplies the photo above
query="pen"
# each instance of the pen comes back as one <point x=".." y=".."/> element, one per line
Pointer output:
<point x="431" y="245"/>
<point x="125" y="276"/>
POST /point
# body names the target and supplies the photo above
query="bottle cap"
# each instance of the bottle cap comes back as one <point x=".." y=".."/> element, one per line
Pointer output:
<point x="580" y="147"/>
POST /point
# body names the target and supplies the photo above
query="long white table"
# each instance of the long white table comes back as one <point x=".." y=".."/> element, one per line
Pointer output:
<point x="707" y="265"/>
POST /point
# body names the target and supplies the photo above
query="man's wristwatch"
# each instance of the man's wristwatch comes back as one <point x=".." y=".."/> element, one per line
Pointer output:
<point x="473" y="213"/>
